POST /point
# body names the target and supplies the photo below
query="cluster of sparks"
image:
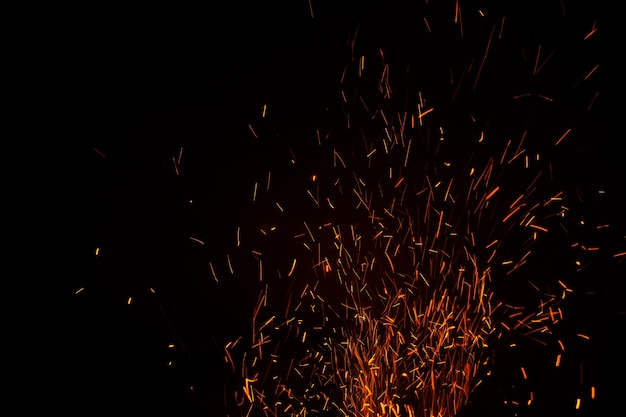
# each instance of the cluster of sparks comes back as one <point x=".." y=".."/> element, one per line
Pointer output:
<point x="387" y="304"/>
<point x="378" y="273"/>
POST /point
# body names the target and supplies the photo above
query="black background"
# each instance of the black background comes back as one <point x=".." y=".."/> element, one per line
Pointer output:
<point x="145" y="81"/>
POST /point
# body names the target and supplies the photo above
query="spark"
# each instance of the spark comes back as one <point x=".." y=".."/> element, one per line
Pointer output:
<point x="560" y="139"/>
<point x="195" y="239"/>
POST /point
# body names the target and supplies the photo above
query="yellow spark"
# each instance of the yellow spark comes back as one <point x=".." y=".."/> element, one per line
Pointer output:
<point x="293" y="267"/>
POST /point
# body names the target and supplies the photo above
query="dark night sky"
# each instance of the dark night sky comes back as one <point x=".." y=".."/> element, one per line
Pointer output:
<point x="146" y="81"/>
